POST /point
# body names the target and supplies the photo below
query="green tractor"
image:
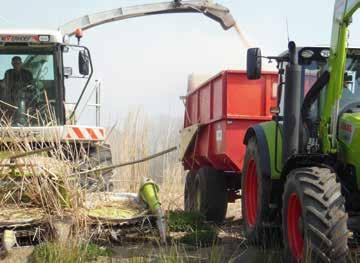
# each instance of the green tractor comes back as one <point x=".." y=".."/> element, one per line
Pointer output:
<point x="303" y="167"/>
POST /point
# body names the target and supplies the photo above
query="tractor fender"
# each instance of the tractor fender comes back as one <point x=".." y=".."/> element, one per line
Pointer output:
<point x="265" y="135"/>
<point x="257" y="131"/>
<point x="308" y="160"/>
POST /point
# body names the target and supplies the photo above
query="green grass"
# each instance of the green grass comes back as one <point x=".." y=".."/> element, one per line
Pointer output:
<point x="197" y="231"/>
<point x="180" y="253"/>
<point x="68" y="253"/>
<point x="180" y="221"/>
<point x="200" y="237"/>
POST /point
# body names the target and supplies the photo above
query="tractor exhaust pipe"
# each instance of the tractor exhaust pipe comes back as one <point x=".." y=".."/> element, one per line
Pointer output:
<point x="292" y="105"/>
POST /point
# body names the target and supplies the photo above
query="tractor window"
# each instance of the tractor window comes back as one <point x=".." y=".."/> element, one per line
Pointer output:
<point x="27" y="89"/>
<point x="351" y="91"/>
<point x="312" y="73"/>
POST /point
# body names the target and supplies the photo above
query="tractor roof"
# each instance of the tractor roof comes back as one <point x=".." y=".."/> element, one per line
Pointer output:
<point x="306" y="54"/>
<point x="30" y="35"/>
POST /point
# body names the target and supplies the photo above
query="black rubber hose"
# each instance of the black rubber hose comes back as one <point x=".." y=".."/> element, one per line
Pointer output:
<point x="313" y="94"/>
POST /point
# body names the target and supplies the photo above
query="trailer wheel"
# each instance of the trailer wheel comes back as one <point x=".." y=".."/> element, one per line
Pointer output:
<point x="313" y="217"/>
<point x="190" y="192"/>
<point x="211" y="194"/>
<point x="255" y="195"/>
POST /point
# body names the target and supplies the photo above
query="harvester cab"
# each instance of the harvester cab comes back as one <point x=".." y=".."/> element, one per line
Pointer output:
<point x="33" y="76"/>
<point x="311" y="148"/>
<point x="34" y="80"/>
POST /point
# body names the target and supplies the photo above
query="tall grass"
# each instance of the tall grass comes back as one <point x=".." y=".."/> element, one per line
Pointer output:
<point x="49" y="181"/>
<point x="129" y="142"/>
<point x="139" y="136"/>
<point x="52" y="182"/>
<point x="43" y="180"/>
<point x="70" y="252"/>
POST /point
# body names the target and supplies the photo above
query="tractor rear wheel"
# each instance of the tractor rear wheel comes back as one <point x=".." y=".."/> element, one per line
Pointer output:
<point x="255" y="192"/>
<point x="211" y="196"/>
<point x="190" y="192"/>
<point x="313" y="217"/>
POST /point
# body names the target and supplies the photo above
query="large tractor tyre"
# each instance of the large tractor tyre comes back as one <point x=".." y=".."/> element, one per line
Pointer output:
<point x="101" y="157"/>
<point x="190" y="192"/>
<point x="255" y="192"/>
<point x="313" y="217"/>
<point x="211" y="196"/>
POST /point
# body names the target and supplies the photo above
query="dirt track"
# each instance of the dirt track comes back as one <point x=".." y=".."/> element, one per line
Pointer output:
<point x="231" y="246"/>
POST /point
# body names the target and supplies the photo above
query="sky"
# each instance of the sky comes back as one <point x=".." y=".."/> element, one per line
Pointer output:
<point x="145" y="62"/>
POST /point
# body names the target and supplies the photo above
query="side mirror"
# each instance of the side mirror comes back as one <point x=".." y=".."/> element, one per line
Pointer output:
<point x="84" y="63"/>
<point x="253" y="64"/>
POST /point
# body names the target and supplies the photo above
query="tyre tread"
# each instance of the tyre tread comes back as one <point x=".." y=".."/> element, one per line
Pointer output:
<point x="326" y="205"/>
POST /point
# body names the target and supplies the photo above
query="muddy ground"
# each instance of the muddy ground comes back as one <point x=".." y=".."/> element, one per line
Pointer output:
<point x="231" y="246"/>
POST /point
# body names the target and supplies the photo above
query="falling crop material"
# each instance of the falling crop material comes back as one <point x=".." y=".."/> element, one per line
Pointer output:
<point x="245" y="42"/>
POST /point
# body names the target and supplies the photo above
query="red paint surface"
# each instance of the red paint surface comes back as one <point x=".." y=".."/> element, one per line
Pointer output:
<point x="295" y="237"/>
<point x="78" y="133"/>
<point x="91" y="133"/>
<point x="228" y="104"/>
<point x="250" y="193"/>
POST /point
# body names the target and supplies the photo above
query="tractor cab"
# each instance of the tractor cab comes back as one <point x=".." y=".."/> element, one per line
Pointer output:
<point x="314" y="61"/>
<point x="32" y="77"/>
<point x="311" y="82"/>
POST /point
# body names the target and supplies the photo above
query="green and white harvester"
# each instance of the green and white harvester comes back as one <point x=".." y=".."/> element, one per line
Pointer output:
<point x="41" y="138"/>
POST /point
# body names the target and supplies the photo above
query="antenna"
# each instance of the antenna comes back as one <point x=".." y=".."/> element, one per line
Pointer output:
<point x="287" y="29"/>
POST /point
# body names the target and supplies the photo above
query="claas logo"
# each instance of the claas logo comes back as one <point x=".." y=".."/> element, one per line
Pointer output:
<point x="346" y="127"/>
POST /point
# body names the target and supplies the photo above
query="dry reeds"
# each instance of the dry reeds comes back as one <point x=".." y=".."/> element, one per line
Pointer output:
<point x="128" y="143"/>
<point x="52" y="180"/>
<point x="40" y="171"/>
<point x="138" y="137"/>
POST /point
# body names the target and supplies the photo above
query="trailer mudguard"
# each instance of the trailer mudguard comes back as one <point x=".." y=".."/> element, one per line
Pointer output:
<point x="265" y="136"/>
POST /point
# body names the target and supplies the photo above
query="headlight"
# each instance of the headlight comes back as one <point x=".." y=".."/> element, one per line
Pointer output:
<point x="307" y="53"/>
<point x="325" y="53"/>
<point x="44" y="38"/>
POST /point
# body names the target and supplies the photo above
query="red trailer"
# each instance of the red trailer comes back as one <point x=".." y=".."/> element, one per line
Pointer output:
<point x="217" y="115"/>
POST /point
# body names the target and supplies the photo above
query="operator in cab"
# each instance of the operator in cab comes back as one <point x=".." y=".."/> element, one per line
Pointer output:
<point x="17" y="81"/>
<point x="15" y="92"/>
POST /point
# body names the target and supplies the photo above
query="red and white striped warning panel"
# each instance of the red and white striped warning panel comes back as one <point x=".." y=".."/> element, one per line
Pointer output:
<point x="83" y="133"/>
<point x="54" y="133"/>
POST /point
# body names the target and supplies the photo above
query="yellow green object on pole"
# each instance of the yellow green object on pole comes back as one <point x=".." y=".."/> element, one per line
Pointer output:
<point x="148" y="193"/>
